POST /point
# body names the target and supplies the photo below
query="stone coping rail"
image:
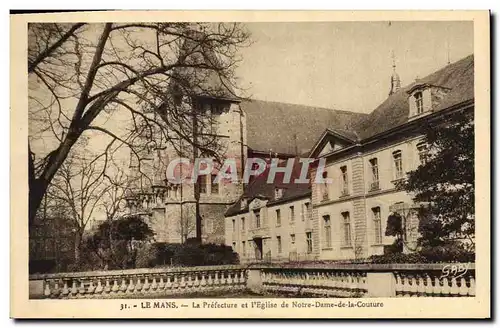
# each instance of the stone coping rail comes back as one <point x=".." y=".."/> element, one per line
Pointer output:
<point x="372" y="267"/>
<point x="377" y="267"/>
<point x="140" y="271"/>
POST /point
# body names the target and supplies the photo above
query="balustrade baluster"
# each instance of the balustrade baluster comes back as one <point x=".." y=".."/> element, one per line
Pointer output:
<point x="74" y="290"/>
<point x="146" y="285"/>
<point x="399" y="284"/>
<point x="445" y="290"/>
<point x="161" y="285"/>
<point x="472" y="288"/>
<point x="123" y="287"/>
<point x="99" y="288"/>
<point x="242" y="278"/>
<point x="154" y="284"/>
<point x="183" y="283"/>
<point x="413" y="285"/>
<point x="91" y="288"/>
<point x="81" y="290"/>
<point x="56" y="291"/>
<point x="233" y="279"/>
<point x="428" y="290"/>
<point x="171" y="282"/>
<point x="46" y="291"/>
<point x="406" y="285"/>
<point x="138" y="285"/>
<point x="436" y="290"/>
<point x="107" y="288"/>
<point x="65" y="290"/>
<point x="210" y="282"/>
<point x="189" y="282"/>
<point x="115" y="288"/>
<point x="420" y="287"/>
<point x="354" y="285"/>
<point x="203" y="281"/>
<point x="216" y="280"/>
<point x="463" y="287"/>
<point x="131" y="286"/>
<point x="454" y="290"/>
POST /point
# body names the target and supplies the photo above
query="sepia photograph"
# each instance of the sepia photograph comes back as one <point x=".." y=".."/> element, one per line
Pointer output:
<point x="196" y="165"/>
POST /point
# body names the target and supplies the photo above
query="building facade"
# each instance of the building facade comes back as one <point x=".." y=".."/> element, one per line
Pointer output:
<point x="348" y="217"/>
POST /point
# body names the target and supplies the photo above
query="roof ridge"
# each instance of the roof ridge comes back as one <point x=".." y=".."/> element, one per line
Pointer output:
<point x="303" y="105"/>
<point x="426" y="79"/>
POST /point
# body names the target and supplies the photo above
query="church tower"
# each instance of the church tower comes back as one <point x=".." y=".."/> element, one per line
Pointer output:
<point x="395" y="80"/>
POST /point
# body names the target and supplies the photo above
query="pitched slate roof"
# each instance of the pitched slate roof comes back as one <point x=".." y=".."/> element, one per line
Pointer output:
<point x="458" y="77"/>
<point x="283" y="128"/>
<point x="261" y="189"/>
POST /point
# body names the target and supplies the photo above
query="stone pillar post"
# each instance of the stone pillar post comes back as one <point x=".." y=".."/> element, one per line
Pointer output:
<point x="381" y="284"/>
<point x="254" y="280"/>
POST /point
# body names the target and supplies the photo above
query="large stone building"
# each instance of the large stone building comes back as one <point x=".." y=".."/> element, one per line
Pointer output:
<point x="347" y="219"/>
<point x="237" y="129"/>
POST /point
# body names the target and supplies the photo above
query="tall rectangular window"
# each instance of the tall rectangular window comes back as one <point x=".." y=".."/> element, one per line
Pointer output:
<point x="257" y="218"/>
<point x="346" y="219"/>
<point x="278" y="217"/>
<point x="422" y="152"/>
<point x="292" y="239"/>
<point x="309" y="242"/>
<point x="377" y="224"/>
<point x="243" y="247"/>
<point x="419" y="102"/>
<point x="278" y="239"/>
<point x="234" y="225"/>
<point x="327" y="230"/>
<point x="243" y="224"/>
<point x="214" y="186"/>
<point x="374" y="185"/>
<point x="202" y="184"/>
<point x="398" y="164"/>
<point x="344" y="181"/>
<point x="292" y="214"/>
<point x="307" y="207"/>
<point x="324" y="187"/>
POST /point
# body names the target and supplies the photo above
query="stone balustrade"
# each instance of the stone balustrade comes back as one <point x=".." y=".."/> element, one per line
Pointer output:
<point x="322" y="283"/>
<point x="317" y="280"/>
<point x="368" y="280"/>
<point x="143" y="282"/>
<point x="433" y="284"/>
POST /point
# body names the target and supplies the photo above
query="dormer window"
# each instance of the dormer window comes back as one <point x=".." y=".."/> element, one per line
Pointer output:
<point x="424" y="97"/>
<point x="419" y="102"/>
<point x="278" y="193"/>
<point x="243" y="203"/>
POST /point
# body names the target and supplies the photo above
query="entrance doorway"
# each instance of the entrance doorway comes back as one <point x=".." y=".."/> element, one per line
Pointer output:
<point x="258" y="248"/>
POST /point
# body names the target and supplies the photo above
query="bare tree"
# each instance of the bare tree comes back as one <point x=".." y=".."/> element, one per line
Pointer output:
<point x="79" y="187"/>
<point x="116" y="80"/>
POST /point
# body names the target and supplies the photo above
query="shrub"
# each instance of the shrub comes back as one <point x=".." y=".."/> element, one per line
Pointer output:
<point x="188" y="254"/>
<point x="397" y="258"/>
<point x="146" y="256"/>
<point x="448" y="253"/>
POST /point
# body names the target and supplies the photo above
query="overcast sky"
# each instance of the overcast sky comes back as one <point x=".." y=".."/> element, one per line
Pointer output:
<point x="345" y="65"/>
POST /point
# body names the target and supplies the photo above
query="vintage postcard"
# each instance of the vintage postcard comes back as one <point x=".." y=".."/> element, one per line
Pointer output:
<point x="250" y="164"/>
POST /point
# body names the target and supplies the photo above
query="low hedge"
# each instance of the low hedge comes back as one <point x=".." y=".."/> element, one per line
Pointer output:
<point x="437" y="254"/>
<point x="186" y="254"/>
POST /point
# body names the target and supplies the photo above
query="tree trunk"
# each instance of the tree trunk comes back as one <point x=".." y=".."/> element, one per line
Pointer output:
<point x="38" y="186"/>
<point x="78" y="248"/>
